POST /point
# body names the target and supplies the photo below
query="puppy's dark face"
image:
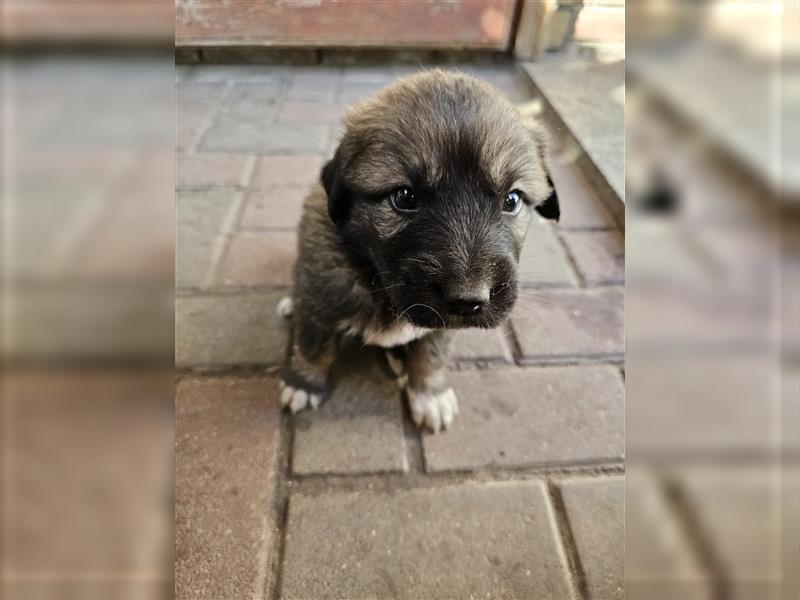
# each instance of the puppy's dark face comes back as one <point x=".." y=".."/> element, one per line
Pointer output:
<point x="432" y="189"/>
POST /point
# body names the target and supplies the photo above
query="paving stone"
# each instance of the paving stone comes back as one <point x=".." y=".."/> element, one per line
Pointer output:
<point x="543" y="262"/>
<point x="523" y="417"/>
<point x="227" y="437"/>
<point x="232" y="134"/>
<point x="277" y="207"/>
<point x="286" y="171"/>
<point x="315" y="83"/>
<point x="596" y="513"/>
<point x="241" y="73"/>
<point x="323" y="113"/>
<point x="209" y="170"/>
<point x="191" y="92"/>
<point x="228" y="329"/>
<point x="353" y="93"/>
<point x="254" y="101"/>
<point x="739" y="513"/>
<point x="481" y="345"/>
<point x="259" y="259"/>
<point x="378" y="74"/>
<point x="580" y="207"/>
<point x="359" y="428"/>
<point x="660" y="561"/>
<point x="599" y="255"/>
<point x="557" y="325"/>
<point x="202" y="216"/>
<point x="490" y="540"/>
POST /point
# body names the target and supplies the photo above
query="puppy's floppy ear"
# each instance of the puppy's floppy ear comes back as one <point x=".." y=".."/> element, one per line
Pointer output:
<point x="549" y="208"/>
<point x="335" y="188"/>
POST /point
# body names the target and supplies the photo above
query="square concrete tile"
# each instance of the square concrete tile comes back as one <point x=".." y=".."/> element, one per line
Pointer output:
<point x="228" y="329"/>
<point x="599" y="255"/>
<point x="255" y="259"/>
<point x="226" y="456"/>
<point x="241" y="73"/>
<point x="543" y="262"/>
<point x="314" y="83"/>
<point x="359" y="427"/>
<point x="485" y="346"/>
<point x="495" y="539"/>
<point x="596" y="512"/>
<point x="522" y="417"/>
<point x="556" y="325"/>
<point x="277" y="207"/>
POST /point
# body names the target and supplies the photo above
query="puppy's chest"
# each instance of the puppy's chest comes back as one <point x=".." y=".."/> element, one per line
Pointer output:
<point x="396" y="334"/>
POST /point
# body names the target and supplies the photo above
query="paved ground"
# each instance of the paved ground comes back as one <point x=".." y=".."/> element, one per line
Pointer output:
<point x="522" y="498"/>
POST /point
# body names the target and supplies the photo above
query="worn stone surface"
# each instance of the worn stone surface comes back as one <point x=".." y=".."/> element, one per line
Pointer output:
<point x="300" y="111"/>
<point x="481" y="345"/>
<point x="596" y="513"/>
<point x="241" y="73"/>
<point x="236" y="134"/>
<point x="259" y="259"/>
<point x="314" y="83"/>
<point x="286" y="171"/>
<point x="209" y="170"/>
<point x="566" y="324"/>
<point x="254" y="100"/>
<point x="543" y="261"/>
<point x="495" y="539"/>
<point x="523" y="417"/>
<point x="359" y="427"/>
<point x="599" y="255"/>
<point x="202" y="216"/>
<point x="227" y="438"/>
<point x="580" y="208"/>
<point x="228" y="329"/>
<point x="273" y="208"/>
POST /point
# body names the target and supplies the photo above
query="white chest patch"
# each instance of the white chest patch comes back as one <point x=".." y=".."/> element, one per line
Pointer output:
<point x="395" y="335"/>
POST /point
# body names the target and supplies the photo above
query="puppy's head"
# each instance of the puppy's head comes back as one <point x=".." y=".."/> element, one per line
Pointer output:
<point x="432" y="188"/>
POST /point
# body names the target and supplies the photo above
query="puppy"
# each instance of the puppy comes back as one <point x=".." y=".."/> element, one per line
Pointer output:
<point x="415" y="230"/>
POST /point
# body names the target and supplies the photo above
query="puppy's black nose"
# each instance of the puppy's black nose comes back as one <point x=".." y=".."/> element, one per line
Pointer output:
<point x="467" y="303"/>
<point x="465" y="307"/>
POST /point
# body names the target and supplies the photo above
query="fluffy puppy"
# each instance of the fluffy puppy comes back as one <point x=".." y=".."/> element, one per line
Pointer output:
<point x="415" y="230"/>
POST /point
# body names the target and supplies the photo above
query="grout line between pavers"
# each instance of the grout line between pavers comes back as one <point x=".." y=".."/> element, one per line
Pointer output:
<point x="573" y="264"/>
<point x="272" y="584"/>
<point x="566" y="541"/>
<point x="211" y="119"/>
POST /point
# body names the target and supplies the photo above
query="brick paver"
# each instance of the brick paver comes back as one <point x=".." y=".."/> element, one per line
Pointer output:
<point x="487" y="346"/>
<point x="255" y="259"/>
<point x="211" y="170"/>
<point x="277" y="207"/>
<point x="286" y="171"/>
<point x="517" y="418"/>
<point x="543" y="262"/>
<point x="580" y="209"/>
<point x="235" y="134"/>
<point x="595" y="509"/>
<point x="227" y="436"/>
<point x="359" y="429"/>
<point x="599" y="255"/>
<point x="555" y="325"/>
<point x="203" y="217"/>
<point x="228" y="330"/>
<point x="491" y="540"/>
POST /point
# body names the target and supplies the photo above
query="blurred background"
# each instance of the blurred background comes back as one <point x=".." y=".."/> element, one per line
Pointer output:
<point x="706" y="193"/>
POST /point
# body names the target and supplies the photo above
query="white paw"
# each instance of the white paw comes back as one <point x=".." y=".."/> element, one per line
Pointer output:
<point x="285" y="307"/>
<point x="296" y="399"/>
<point x="435" y="411"/>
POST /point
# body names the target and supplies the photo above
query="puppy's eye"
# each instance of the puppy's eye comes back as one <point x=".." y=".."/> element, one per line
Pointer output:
<point x="403" y="199"/>
<point x="513" y="202"/>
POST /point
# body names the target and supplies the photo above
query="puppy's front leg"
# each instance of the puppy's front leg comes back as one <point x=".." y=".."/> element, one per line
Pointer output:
<point x="431" y="399"/>
<point x="305" y="374"/>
